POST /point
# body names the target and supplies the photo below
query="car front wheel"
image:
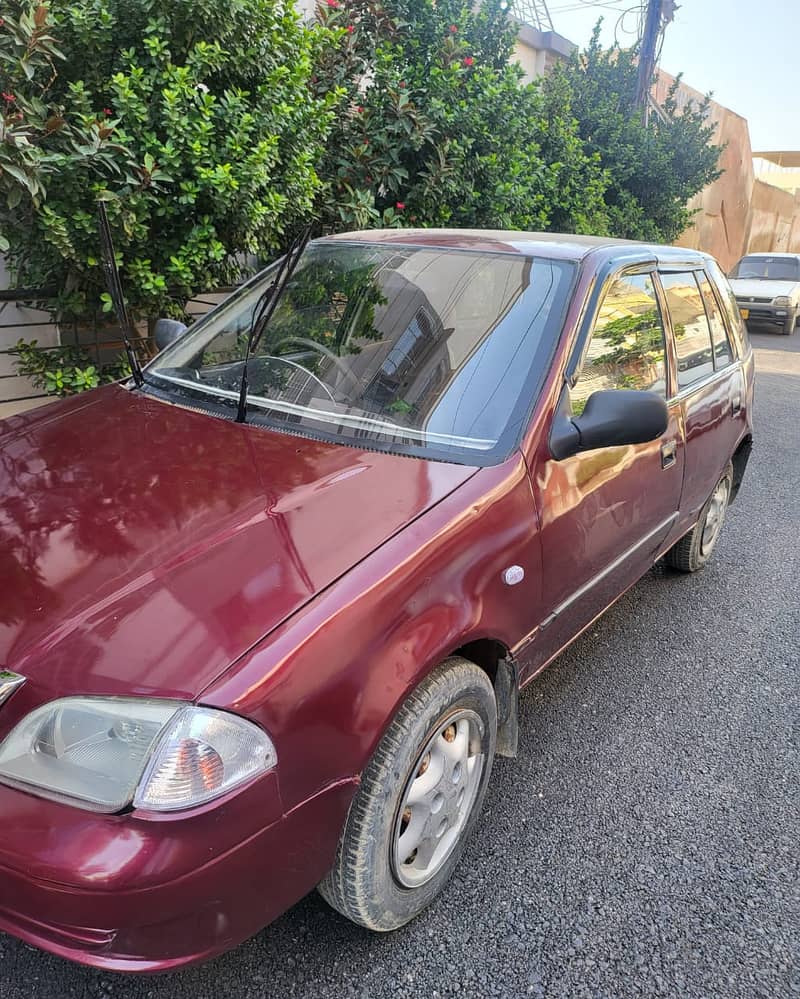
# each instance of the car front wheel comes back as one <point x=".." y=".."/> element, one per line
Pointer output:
<point x="694" y="549"/>
<point x="419" y="799"/>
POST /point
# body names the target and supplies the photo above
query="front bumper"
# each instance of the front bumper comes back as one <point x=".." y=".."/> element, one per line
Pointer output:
<point x="140" y="901"/>
<point x="762" y="313"/>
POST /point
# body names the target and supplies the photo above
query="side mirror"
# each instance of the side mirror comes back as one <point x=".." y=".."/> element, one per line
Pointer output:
<point x="167" y="331"/>
<point x="610" y="418"/>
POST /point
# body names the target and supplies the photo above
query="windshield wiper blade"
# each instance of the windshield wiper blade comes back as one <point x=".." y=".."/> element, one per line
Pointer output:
<point x="264" y="308"/>
<point x="115" y="290"/>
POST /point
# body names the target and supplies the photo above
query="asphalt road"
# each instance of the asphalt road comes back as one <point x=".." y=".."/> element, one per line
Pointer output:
<point x="645" y="843"/>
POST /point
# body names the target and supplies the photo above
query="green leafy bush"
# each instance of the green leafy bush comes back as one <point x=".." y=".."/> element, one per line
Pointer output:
<point x="65" y="371"/>
<point x="652" y="170"/>
<point x="36" y="140"/>
<point x="438" y="128"/>
<point x="194" y="120"/>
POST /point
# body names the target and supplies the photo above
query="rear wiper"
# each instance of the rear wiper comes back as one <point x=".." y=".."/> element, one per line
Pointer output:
<point x="264" y="308"/>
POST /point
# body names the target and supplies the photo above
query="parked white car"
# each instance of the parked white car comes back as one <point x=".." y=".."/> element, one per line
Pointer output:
<point x="767" y="289"/>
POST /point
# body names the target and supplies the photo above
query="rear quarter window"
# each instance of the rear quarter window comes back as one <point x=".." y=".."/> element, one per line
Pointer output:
<point x="730" y="308"/>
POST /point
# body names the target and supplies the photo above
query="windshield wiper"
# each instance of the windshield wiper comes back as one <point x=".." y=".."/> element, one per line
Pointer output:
<point x="264" y="308"/>
<point x="115" y="290"/>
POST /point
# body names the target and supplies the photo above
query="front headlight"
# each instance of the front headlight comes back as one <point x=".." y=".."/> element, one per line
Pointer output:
<point x="782" y="301"/>
<point x="104" y="753"/>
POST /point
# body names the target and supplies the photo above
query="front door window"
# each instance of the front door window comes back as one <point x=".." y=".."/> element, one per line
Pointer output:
<point x="627" y="348"/>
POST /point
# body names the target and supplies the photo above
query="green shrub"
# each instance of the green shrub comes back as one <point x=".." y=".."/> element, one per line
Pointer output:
<point x="194" y="120"/>
<point x="437" y="127"/>
<point x="652" y="170"/>
<point x="65" y="371"/>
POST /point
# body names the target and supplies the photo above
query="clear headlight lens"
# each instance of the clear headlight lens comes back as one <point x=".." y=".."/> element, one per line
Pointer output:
<point x="782" y="301"/>
<point x="102" y="753"/>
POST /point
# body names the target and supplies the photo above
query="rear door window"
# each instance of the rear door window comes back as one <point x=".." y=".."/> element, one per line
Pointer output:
<point x="731" y="307"/>
<point x="723" y="353"/>
<point x="690" y="327"/>
<point x="627" y="347"/>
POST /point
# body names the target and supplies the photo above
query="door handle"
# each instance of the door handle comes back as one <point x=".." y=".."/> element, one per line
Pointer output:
<point x="669" y="453"/>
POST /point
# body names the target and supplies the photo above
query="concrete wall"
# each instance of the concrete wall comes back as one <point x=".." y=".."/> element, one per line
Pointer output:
<point x="722" y="223"/>
<point x="737" y="213"/>
<point x="774" y="220"/>
<point x="538" y="51"/>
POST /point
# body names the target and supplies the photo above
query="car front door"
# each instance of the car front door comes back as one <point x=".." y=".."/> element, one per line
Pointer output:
<point x="605" y="513"/>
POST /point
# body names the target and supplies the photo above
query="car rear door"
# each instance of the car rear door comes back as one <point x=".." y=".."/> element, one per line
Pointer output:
<point x="710" y="386"/>
<point x="605" y="514"/>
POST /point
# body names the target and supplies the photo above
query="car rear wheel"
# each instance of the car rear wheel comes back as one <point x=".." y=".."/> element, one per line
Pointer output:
<point x="419" y="799"/>
<point x="694" y="549"/>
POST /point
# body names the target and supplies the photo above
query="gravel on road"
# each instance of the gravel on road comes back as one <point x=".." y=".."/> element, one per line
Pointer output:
<point x="645" y="843"/>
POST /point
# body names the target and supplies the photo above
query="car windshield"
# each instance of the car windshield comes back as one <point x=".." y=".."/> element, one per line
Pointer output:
<point x="768" y="268"/>
<point x="413" y="349"/>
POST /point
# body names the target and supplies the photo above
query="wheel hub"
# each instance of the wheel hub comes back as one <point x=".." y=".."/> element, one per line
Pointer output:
<point x="438" y="799"/>
<point x="715" y="516"/>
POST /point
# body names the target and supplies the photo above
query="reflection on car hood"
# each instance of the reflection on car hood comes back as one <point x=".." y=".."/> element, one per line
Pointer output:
<point x="144" y="547"/>
<point x="761" y="288"/>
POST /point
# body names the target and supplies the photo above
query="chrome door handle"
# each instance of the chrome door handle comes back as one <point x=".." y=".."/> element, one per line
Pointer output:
<point x="669" y="453"/>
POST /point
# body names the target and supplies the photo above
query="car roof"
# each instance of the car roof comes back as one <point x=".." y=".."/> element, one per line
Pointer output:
<point x="546" y="244"/>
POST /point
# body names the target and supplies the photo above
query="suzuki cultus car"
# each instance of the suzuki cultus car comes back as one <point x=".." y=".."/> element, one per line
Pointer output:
<point x="265" y="615"/>
<point x="767" y="288"/>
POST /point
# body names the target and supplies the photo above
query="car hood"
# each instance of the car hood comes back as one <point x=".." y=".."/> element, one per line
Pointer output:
<point x="761" y="288"/>
<point x="144" y="547"/>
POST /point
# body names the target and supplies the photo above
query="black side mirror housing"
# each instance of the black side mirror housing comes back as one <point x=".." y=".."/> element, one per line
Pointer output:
<point x="611" y="417"/>
<point x="167" y="331"/>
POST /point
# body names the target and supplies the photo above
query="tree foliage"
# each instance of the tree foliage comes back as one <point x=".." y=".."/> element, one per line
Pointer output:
<point x="37" y="142"/>
<point x="194" y="120"/>
<point x="438" y="128"/>
<point x="652" y="170"/>
<point x="214" y="128"/>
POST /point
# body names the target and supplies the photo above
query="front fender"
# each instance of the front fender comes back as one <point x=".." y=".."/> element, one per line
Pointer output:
<point x="326" y="684"/>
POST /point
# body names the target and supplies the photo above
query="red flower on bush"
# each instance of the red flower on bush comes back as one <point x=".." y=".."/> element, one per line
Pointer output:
<point x="350" y="29"/>
<point x="402" y="84"/>
<point x="8" y="98"/>
<point x="400" y="205"/>
<point x="107" y="112"/>
<point x="360" y="109"/>
<point x="468" y="61"/>
<point x="333" y="3"/>
<point x="453" y="29"/>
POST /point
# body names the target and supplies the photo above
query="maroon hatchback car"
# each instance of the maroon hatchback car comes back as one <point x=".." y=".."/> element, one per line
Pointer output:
<point x="259" y="641"/>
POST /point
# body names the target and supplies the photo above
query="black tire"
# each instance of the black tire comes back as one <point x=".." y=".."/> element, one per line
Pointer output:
<point x="689" y="554"/>
<point x="363" y="884"/>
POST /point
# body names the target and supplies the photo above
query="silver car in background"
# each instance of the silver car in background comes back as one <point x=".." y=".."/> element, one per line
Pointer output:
<point x="767" y="289"/>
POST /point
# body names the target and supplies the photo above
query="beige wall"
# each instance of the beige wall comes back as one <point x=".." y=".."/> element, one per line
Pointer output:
<point x="775" y="220"/>
<point x="737" y="213"/>
<point x="722" y="222"/>
<point x="538" y="51"/>
<point x="788" y="180"/>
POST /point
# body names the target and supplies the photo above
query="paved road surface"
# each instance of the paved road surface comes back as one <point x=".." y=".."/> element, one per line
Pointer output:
<point x="645" y="843"/>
